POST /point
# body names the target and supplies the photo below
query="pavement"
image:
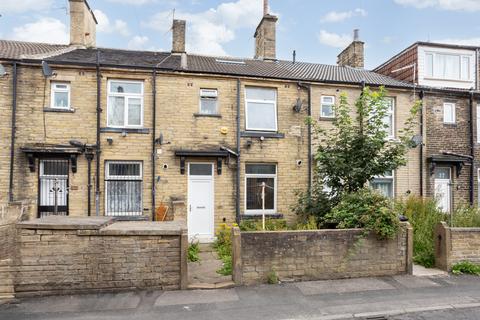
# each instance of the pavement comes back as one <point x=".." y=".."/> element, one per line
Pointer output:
<point x="394" y="298"/>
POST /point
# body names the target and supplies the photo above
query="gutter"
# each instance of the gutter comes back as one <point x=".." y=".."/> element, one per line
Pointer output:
<point x="309" y="135"/>
<point x="237" y="185"/>
<point x="154" y="127"/>
<point x="98" y="149"/>
<point x="13" y="132"/>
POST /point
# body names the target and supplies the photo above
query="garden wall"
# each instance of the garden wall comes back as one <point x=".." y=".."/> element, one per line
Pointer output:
<point x="318" y="255"/>
<point x="453" y="245"/>
<point x="57" y="255"/>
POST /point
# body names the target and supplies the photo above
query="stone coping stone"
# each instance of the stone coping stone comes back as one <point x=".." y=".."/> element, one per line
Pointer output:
<point x="145" y="228"/>
<point x="67" y="223"/>
<point x="455" y="229"/>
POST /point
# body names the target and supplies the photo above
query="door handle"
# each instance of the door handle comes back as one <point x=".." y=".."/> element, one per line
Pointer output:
<point x="200" y="207"/>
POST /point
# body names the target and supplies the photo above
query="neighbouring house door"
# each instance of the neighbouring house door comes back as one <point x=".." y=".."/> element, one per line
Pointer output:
<point x="53" y="188"/>
<point x="443" y="192"/>
<point x="200" y="218"/>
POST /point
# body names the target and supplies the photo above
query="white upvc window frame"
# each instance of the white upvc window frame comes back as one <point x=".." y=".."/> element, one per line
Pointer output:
<point x="274" y="102"/>
<point x="257" y="175"/>
<point x="109" y="177"/>
<point x="327" y="104"/>
<point x="55" y="89"/>
<point x="126" y="97"/>
<point x="387" y="178"/>
<point x="208" y="94"/>
<point x="453" y="112"/>
<point x="434" y="75"/>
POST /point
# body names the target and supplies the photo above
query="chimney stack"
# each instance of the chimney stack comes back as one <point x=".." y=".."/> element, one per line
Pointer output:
<point x="354" y="55"/>
<point x="265" y="36"/>
<point x="82" y="24"/>
<point x="178" y="36"/>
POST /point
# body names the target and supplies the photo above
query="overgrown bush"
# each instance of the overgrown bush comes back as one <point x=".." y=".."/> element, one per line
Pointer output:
<point x="466" y="267"/>
<point x="223" y="246"/>
<point x="465" y="217"/>
<point x="270" y="224"/>
<point x="315" y="204"/>
<point x="365" y="209"/>
<point x="423" y="215"/>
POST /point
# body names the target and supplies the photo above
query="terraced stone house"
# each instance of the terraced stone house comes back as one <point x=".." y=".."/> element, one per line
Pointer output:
<point x="446" y="79"/>
<point x="172" y="135"/>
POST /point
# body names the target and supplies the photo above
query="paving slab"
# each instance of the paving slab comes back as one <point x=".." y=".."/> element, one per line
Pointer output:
<point x="342" y="286"/>
<point x="170" y="298"/>
<point x="420" y="271"/>
<point x="413" y="282"/>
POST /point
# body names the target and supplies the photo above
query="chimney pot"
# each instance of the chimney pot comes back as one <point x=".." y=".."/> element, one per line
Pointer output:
<point x="356" y="35"/>
<point x="178" y="36"/>
<point x="265" y="7"/>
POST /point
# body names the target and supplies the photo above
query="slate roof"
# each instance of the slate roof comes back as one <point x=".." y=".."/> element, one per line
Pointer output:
<point x="298" y="71"/>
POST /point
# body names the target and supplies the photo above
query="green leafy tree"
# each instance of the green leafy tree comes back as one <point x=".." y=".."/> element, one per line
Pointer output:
<point x="359" y="146"/>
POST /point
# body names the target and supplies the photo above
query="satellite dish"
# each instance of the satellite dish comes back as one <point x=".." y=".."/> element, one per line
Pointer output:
<point x="416" y="140"/>
<point x="47" y="71"/>
<point x="298" y="105"/>
<point x="3" y="72"/>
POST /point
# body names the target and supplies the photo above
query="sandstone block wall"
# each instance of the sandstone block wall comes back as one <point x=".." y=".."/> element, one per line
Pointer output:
<point x="322" y="254"/>
<point x="453" y="245"/>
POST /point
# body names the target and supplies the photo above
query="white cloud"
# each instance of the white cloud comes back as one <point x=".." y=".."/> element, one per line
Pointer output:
<point x="334" y="40"/>
<point x="136" y="2"/>
<point x="462" y="42"/>
<point x="137" y="42"/>
<point x="45" y="29"/>
<point x="15" y="6"/>
<point x="335" y="16"/>
<point x="105" y="26"/>
<point x="453" y="5"/>
<point x="210" y="30"/>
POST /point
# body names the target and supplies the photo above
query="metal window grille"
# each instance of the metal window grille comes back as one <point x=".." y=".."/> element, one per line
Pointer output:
<point x="123" y="188"/>
<point x="53" y="188"/>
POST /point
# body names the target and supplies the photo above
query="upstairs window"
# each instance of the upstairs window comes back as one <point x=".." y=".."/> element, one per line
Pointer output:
<point x="261" y="109"/>
<point x="125" y="104"/>
<point x="208" y="101"/>
<point x="60" y="95"/>
<point x="448" y="66"/>
<point x="328" y="103"/>
<point x="449" y="112"/>
<point x="389" y="118"/>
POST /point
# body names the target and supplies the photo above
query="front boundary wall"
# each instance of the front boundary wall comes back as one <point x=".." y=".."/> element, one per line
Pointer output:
<point x="453" y="245"/>
<point x="319" y="255"/>
<point x="62" y="255"/>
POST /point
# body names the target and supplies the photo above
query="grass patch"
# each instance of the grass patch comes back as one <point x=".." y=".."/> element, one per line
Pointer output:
<point x="466" y="267"/>
<point x="193" y="251"/>
<point x="423" y="215"/>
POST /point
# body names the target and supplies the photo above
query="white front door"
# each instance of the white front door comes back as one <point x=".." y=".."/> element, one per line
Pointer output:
<point x="200" y="218"/>
<point x="443" y="193"/>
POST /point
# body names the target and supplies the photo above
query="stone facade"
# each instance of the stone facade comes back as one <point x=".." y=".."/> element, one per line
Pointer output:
<point x="353" y="56"/>
<point x="85" y="255"/>
<point x="454" y="245"/>
<point x="265" y="38"/>
<point x="320" y="254"/>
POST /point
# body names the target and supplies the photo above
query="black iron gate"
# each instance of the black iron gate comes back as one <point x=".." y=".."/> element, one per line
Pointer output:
<point x="53" y="187"/>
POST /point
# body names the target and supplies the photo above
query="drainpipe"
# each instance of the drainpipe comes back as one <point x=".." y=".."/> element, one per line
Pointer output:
<point x="14" y="116"/>
<point x="309" y="134"/>
<point x="98" y="149"/>
<point x="154" y="118"/>
<point x="472" y="151"/>
<point x="237" y="186"/>
<point x="89" y="155"/>
<point x="422" y="95"/>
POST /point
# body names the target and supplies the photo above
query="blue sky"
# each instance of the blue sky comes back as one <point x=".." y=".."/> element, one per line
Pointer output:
<point x="316" y="29"/>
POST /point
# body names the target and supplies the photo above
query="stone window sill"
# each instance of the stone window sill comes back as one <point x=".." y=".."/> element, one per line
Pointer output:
<point x="127" y="130"/>
<point x="326" y="119"/>
<point x="450" y="125"/>
<point x="71" y="110"/>
<point x="259" y="134"/>
<point x="201" y="115"/>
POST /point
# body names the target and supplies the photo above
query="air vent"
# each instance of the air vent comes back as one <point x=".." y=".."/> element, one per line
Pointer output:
<point x="230" y="61"/>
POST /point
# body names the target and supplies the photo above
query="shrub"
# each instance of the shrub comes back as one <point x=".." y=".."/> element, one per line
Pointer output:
<point x="310" y="224"/>
<point x="223" y="246"/>
<point x="423" y="215"/>
<point x="466" y="217"/>
<point x="466" y="267"/>
<point x="270" y="224"/>
<point x="193" y="250"/>
<point x="365" y="209"/>
<point x="315" y="204"/>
